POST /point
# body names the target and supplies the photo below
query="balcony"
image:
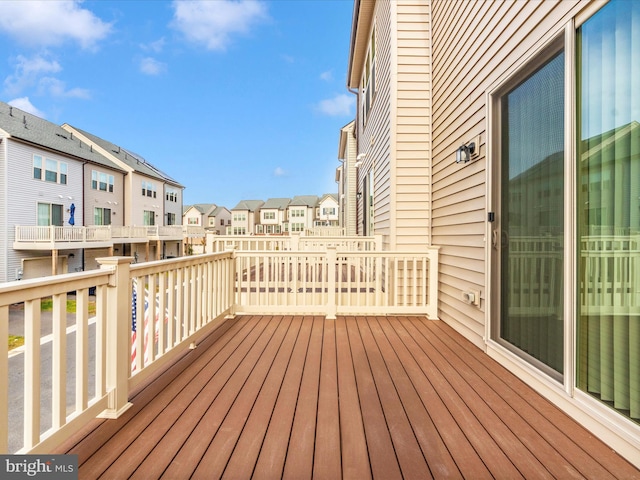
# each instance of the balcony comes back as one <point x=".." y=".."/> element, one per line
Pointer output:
<point x="323" y="363"/>
<point x="68" y="237"/>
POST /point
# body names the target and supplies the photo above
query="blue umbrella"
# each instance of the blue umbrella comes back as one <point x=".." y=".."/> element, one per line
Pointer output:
<point x="72" y="211"/>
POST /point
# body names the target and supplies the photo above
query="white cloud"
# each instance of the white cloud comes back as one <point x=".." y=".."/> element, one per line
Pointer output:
<point x="279" y="172"/>
<point x="28" y="71"/>
<point x="57" y="88"/>
<point x="25" y="104"/>
<point x="339" y="105"/>
<point x="212" y="24"/>
<point x="327" y="76"/>
<point x="151" y="66"/>
<point x="156" y="46"/>
<point x="50" y="23"/>
<point x="287" y="58"/>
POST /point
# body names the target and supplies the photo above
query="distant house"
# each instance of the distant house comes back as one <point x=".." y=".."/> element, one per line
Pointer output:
<point x="327" y="213"/>
<point x="346" y="178"/>
<point x="152" y="198"/>
<point x="211" y="217"/>
<point x="244" y="217"/>
<point x="302" y="213"/>
<point x="273" y="216"/>
<point x="51" y="178"/>
<point x="505" y="134"/>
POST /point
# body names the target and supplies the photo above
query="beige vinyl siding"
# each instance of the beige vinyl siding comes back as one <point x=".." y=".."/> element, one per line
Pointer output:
<point x="466" y="62"/>
<point x="413" y="122"/>
<point x="351" y="190"/>
<point x="97" y="198"/>
<point x="375" y="138"/>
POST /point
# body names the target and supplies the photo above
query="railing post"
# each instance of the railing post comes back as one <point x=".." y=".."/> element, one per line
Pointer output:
<point x="332" y="259"/>
<point x="118" y="351"/>
<point x="295" y="242"/>
<point x="432" y="310"/>
<point x="378" y="243"/>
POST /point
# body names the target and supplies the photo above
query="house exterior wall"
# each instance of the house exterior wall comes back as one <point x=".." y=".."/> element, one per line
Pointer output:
<point x="141" y="203"/>
<point x="374" y="137"/>
<point x="465" y="63"/>
<point x="411" y="114"/>
<point x="192" y="217"/>
<point x="330" y="203"/>
<point x="23" y="193"/>
<point x="97" y="198"/>
<point x="172" y="206"/>
<point x="350" y="180"/>
<point x="4" y="227"/>
<point x="396" y="137"/>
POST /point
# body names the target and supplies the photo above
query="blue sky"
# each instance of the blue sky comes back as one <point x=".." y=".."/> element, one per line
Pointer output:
<point x="235" y="99"/>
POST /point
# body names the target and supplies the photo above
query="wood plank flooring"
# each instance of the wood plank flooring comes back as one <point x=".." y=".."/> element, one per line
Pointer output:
<point x="302" y="397"/>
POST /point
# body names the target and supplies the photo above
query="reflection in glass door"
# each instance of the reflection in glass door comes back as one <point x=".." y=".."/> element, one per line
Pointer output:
<point x="609" y="207"/>
<point x="531" y="217"/>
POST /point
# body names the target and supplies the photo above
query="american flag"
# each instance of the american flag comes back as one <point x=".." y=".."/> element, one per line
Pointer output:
<point x="134" y="325"/>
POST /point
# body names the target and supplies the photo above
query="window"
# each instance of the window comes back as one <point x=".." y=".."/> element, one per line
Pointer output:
<point x="222" y="222"/>
<point x="171" y="219"/>
<point x="329" y="211"/>
<point x="239" y="231"/>
<point x="269" y="215"/>
<point x="50" y="214"/>
<point x="149" y="217"/>
<point x="194" y="221"/>
<point x="297" y="213"/>
<point x="172" y="195"/>
<point x="369" y="78"/>
<point x="149" y="189"/>
<point x="297" y="227"/>
<point x="239" y="217"/>
<point x="54" y="171"/>
<point x="212" y="221"/>
<point x="102" y="181"/>
<point x="101" y="216"/>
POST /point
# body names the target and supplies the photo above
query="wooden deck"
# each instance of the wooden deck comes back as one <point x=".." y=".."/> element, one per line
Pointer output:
<point x="357" y="397"/>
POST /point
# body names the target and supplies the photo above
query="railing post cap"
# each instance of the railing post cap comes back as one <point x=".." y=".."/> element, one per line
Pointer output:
<point x="114" y="260"/>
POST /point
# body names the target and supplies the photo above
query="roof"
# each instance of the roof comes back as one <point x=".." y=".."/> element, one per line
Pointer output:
<point x="304" y="200"/>
<point x="363" y="11"/>
<point x="276" y="203"/>
<point x="334" y="196"/>
<point x="251" y="205"/>
<point x="217" y="211"/>
<point x="205" y="208"/>
<point x="38" y="131"/>
<point x="131" y="159"/>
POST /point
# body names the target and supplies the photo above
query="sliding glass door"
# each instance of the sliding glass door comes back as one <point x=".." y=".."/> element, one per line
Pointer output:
<point x="608" y="156"/>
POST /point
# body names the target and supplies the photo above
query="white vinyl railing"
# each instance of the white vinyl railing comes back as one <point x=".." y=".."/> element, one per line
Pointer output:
<point x="337" y="282"/>
<point x="52" y="234"/>
<point x="146" y="315"/>
<point x="101" y="233"/>
<point x="251" y="243"/>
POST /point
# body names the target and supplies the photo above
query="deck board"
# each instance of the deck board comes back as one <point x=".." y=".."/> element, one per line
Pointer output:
<point x="359" y="397"/>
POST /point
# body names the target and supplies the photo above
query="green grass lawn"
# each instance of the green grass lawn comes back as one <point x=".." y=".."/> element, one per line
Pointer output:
<point x="15" y="341"/>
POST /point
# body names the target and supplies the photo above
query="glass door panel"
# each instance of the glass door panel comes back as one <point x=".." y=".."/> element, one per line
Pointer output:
<point x="608" y="52"/>
<point x="531" y="220"/>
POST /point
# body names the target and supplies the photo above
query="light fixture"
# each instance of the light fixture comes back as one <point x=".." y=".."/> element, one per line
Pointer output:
<point x="464" y="152"/>
<point x="359" y="195"/>
<point x="361" y="156"/>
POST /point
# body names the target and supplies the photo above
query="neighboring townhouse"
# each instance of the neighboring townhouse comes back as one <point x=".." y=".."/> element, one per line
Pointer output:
<point x="346" y="178"/>
<point x="301" y="213"/>
<point x="152" y="199"/>
<point x="53" y="189"/>
<point x="327" y="212"/>
<point x="505" y="133"/>
<point x="213" y="218"/>
<point x="245" y="216"/>
<point x="273" y="216"/>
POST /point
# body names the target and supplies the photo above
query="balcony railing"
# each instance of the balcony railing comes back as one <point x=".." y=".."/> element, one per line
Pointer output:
<point x="249" y="243"/>
<point x="52" y="235"/>
<point x="175" y="303"/>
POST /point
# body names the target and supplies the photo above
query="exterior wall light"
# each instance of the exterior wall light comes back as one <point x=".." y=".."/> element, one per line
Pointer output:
<point x="464" y="152"/>
<point x="359" y="195"/>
